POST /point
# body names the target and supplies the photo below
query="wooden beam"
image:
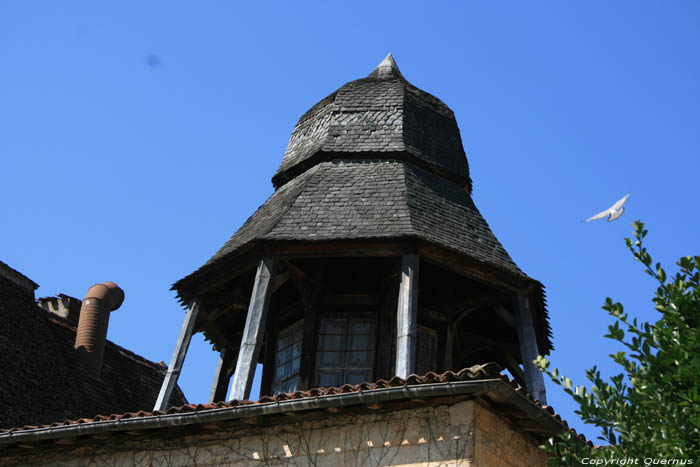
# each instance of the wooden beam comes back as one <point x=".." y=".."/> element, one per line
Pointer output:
<point x="178" y="358"/>
<point x="504" y="314"/>
<point x="222" y="376"/>
<point x="462" y="315"/>
<point x="296" y="272"/>
<point x="406" y="316"/>
<point x="495" y="344"/>
<point x="528" y="347"/>
<point x="352" y="299"/>
<point x="291" y="250"/>
<point x="280" y="280"/>
<point x="254" y="329"/>
<point x="477" y="302"/>
<point x="465" y="266"/>
<point x="514" y="368"/>
<point x="448" y="355"/>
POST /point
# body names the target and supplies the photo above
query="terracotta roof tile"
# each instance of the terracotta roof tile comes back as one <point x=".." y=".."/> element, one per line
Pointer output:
<point x="486" y="371"/>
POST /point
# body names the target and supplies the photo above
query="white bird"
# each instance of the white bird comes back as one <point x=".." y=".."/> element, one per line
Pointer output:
<point x="613" y="211"/>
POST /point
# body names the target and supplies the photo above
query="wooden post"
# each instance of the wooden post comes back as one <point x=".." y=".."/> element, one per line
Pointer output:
<point x="221" y="377"/>
<point x="406" y="316"/>
<point x="528" y="347"/>
<point x="183" y="342"/>
<point x="251" y="342"/>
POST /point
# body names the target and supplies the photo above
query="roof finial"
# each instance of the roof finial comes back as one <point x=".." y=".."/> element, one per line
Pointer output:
<point x="386" y="68"/>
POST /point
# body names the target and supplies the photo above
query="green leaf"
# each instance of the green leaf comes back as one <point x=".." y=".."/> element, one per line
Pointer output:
<point x="653" y="407"/>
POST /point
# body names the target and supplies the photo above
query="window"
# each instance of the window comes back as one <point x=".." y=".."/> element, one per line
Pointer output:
<point x="287" y="359"/>
<point x="426" y="350"/>
<point x="345" y="351"/>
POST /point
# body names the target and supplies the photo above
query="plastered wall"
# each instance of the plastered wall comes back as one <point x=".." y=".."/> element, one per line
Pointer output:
<point x="464" y="434"/>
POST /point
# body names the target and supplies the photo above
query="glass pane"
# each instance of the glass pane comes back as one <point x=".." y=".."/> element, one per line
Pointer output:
<point x="299" y="332"/>
<point x="361" y="327"/>
<point x="332" y="342"/>
<point x="333" y="326"/>
<point x="357" y="377"/>
<point x="292" y="385"/>
<point x="282" y="356"/>
<point x="283" y="340"/>
<point x="334" y="359"/>
<point x="329" y="378"/>
<point x="296" y="350"/>
<point x="360" y="358"/>
<point x="294" y="367"/>
<point x="282" y="372"/>
<point x="362" y="342"/>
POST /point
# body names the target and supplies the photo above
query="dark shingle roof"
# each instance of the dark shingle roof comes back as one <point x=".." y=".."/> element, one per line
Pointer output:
<point x="355" y="199"/>
<point x="40" y="376"/>
<point x="382" y="113"/>
<point x="377" y="159"/>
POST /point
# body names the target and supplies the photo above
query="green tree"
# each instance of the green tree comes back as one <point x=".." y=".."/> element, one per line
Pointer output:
<point x="652" y="408"/>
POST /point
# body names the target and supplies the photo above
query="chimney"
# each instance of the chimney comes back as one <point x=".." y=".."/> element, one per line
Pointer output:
<point x="63" y="306"/>
<point x="99" y="301"/>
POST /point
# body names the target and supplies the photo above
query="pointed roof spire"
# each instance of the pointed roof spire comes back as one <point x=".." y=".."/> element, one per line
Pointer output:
<point x="386" y="69"/>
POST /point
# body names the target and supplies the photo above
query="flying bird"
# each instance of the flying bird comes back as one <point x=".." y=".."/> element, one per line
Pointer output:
<point x="613" y="211"/>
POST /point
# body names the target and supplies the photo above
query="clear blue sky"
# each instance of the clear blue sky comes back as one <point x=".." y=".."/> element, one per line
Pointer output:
<point x="114" y="169"/>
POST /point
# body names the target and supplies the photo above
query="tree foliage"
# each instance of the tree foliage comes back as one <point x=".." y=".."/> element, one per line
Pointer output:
<point x="652" y="408"/>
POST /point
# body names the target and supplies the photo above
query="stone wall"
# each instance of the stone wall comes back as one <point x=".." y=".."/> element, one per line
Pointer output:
<point x="498" y="444"/>
<point x="463" y="434"/>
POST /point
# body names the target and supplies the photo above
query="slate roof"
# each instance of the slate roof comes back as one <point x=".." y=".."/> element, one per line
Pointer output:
<point x="485" y="372"/>
<point x="383" y="114"/>
<point x="346" y="176"/>
<point x="40" y="378"/>
<point x="370" y="199"/>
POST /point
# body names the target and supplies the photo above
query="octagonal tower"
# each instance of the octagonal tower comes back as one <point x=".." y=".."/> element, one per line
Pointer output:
<point x="370" y="259"/>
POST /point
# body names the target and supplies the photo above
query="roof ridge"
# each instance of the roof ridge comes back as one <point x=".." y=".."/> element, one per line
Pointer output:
<point x="304" y="179"/>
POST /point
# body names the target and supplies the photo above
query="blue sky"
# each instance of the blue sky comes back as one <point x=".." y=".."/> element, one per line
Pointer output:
<point x="113" y="169"/>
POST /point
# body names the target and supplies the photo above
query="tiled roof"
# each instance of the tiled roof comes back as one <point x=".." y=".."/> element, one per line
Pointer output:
<point x="382" y="114"/>
<point x="17" y="277"/>
<point x="41" y="380"/>
<point x="372" y="199"/>
<point x="487" y="373"/>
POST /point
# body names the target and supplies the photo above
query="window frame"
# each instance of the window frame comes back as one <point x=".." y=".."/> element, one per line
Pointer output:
<point x="345" y="368"/>
<point x="296" y="329"/>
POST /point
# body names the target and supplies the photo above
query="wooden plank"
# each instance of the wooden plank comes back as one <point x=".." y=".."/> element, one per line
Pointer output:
<point x="514" y="368"/>
<point x="528" y="347"/>
<point x="178" y="358"/>
<point x="504" y="314"/>
<point x="496" y="344"/>
<point x="470" y="268"/>
<point x="222" y="377"/>
<point x="291" y="250"/>
<point x="448" y="354"/>
<point x="254" y="329"/>
<point x="406" y="316"/>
